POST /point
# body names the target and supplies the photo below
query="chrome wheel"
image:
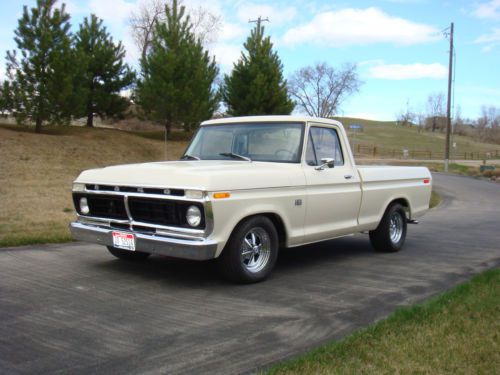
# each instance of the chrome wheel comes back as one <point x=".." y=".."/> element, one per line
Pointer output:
<point x="255" y="250"/>
<point x="396" y="227"/>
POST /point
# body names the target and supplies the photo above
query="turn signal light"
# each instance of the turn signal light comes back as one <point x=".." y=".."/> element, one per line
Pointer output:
<point x="221" y="195"/>
<point x="427" y="180"/>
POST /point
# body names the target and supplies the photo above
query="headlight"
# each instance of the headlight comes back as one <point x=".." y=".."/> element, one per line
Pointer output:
<point x="78" y="187"/>
<point x="84" y="206"/>
<point x="193" y="216"/>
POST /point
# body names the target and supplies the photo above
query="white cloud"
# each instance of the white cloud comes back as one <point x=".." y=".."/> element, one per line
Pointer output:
<point x="488" y="10"/>
<point x="360" y="27"/>
<point x="230" y="31"/>
<point x="489" y="41"/>
<point x="71" y="7"/>
<point x="226" y="54"/>
<point x="408" y="71"/>
<point x="276" y="15"/>
<point x="114" y="12"/>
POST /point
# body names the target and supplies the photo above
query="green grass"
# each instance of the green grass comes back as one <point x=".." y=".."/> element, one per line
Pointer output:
<point x="435" y="199"/>
<point x="457" y="332"/>
<point x="36" y="239"/>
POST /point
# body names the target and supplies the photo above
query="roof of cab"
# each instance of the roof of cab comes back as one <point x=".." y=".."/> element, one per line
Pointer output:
<point x="273" y="118"/>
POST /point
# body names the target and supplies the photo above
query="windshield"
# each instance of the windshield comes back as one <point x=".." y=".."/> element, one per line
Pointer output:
<point x="275" y="142"/>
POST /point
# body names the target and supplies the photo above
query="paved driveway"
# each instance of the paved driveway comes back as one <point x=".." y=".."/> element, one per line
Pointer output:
<point x="73" y="308"/>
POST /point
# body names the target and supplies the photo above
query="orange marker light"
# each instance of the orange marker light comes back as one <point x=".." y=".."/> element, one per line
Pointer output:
<point x="221" y="195"/>
<point x="427" y="180"/>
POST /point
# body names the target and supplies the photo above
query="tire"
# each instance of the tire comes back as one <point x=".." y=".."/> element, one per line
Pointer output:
<point x="390" y="234"/>
<point x="127" y="254"/>
<point x="251" y="252"/>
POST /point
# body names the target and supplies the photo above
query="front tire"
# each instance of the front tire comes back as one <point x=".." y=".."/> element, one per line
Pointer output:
<point x="127" y="254"/>
<point x="251" y="252"/>
<point x="390" y="234"/>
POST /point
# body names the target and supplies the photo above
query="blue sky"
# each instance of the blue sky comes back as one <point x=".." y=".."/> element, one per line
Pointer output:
<point x="398" y="46"/>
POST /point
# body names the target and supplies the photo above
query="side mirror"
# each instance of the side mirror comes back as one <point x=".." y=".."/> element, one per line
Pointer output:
<point x="326" y="162"/>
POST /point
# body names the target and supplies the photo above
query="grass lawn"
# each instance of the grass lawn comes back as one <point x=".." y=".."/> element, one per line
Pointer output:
<point x="457" y="332"/>
<point x="37" y="171"/>
<point x="435" y="199"/>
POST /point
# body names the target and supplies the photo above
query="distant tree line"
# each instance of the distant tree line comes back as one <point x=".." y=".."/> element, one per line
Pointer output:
<point x="485" y="128"/>
<point x="56" y="75"/>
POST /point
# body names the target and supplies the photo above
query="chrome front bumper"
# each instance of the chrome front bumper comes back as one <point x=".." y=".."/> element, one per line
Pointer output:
<point x="196" y="249"/>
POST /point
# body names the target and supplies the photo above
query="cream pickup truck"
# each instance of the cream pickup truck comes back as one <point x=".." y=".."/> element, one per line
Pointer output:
<point x="244" y="188"/>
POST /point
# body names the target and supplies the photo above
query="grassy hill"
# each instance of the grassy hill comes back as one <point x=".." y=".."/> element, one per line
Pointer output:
<point x="388" y="135"/>
<point x="37" y="171"/>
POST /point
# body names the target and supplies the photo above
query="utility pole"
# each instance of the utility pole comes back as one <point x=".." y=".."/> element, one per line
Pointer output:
<point x="259" y="21"/>
<point x="448" y="106"/>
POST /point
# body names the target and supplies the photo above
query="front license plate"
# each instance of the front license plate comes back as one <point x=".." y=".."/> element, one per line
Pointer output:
<point x="124" y="241"/>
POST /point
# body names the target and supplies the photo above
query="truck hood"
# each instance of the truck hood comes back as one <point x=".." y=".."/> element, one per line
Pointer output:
<point x="209" y="175"/>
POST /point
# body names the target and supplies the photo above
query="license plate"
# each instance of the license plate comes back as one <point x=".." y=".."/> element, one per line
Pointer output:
<point x="124" y="241"/>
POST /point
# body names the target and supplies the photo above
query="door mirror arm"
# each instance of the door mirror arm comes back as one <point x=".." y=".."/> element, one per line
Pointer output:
<point x="326" y="162"/>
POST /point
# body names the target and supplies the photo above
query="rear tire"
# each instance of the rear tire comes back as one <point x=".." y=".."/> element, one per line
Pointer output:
<point x="251" y="252"/>
<point x="127" y="254"/>
<point x="390" y="234"/>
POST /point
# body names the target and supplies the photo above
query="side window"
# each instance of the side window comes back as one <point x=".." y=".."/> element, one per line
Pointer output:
<point x="325" y="144"/>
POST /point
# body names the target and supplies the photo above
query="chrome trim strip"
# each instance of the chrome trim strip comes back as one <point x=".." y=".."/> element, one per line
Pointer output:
<point x="142" y="185"/>
<point x="142" y="195"/>
<point x="171" y="230"/>
<point x="127" y="210"/>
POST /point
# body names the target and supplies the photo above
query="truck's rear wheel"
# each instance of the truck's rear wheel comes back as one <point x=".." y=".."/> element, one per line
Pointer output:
<point x="391" y="232"/>
<point x="251" y="252"/>
<point x="127" y="254"/>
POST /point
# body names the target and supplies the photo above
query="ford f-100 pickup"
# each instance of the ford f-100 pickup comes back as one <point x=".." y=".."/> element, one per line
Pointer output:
<point x="245" y="188"/>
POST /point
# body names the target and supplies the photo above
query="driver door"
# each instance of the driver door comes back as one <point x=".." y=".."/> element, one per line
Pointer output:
<point x="333" y="193"/>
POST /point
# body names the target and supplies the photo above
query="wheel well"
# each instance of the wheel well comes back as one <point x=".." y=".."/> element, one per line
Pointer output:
<point x="278" y="224"/>
<point x="403" y="202"/>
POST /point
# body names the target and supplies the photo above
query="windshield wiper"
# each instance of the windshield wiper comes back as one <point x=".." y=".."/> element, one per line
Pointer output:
<point x="235" y="156"/>
<point x="189" y="157"/>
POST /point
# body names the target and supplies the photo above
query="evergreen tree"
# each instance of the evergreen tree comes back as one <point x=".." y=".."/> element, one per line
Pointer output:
<point x="104" y="74"/>
<point x="6" y="102"/>
<point x="256" y="85"/>
<point x="177" y="85"/>
<point x="43" y="77"/>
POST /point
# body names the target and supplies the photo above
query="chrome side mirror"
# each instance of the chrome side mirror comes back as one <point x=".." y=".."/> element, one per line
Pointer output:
<point x="326" y="162"/>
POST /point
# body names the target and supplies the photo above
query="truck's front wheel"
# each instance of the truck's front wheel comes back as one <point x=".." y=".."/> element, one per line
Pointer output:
<point x="127" y="254"/>
<point x="251" y="252"/>
<point x="391" y="232"/>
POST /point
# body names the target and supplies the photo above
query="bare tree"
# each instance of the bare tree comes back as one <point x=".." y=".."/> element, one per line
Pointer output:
<point x="488" y="124"/>
<point x="406" y="117"/>
<point x="320" y="89"/>
<point x="206" y="25"/>
<point x="435" y="111"/>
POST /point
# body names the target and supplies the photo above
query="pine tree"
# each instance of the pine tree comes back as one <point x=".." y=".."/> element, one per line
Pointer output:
<point x="43" y="76"/>
<point x="104" y="74"/>
<point x="177" y="85"/>
<point x="256" y="85"/>
<point x="6" y="102"/>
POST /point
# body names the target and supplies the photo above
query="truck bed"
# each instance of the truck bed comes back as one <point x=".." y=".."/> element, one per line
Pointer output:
<point x="379" y="185"/>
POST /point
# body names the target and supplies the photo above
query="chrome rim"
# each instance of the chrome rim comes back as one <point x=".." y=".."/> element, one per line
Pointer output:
<point x="255" y="250"/>
<point x="396" y="227"/>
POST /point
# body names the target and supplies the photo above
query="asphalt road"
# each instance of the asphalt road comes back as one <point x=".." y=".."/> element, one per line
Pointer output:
<point x="73" y="308"/>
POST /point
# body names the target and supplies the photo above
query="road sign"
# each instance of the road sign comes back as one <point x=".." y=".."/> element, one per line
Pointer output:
<point x="356" y="127"/>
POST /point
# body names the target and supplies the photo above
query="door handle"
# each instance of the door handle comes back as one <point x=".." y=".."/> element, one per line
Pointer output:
<point x="348" y="176"/>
